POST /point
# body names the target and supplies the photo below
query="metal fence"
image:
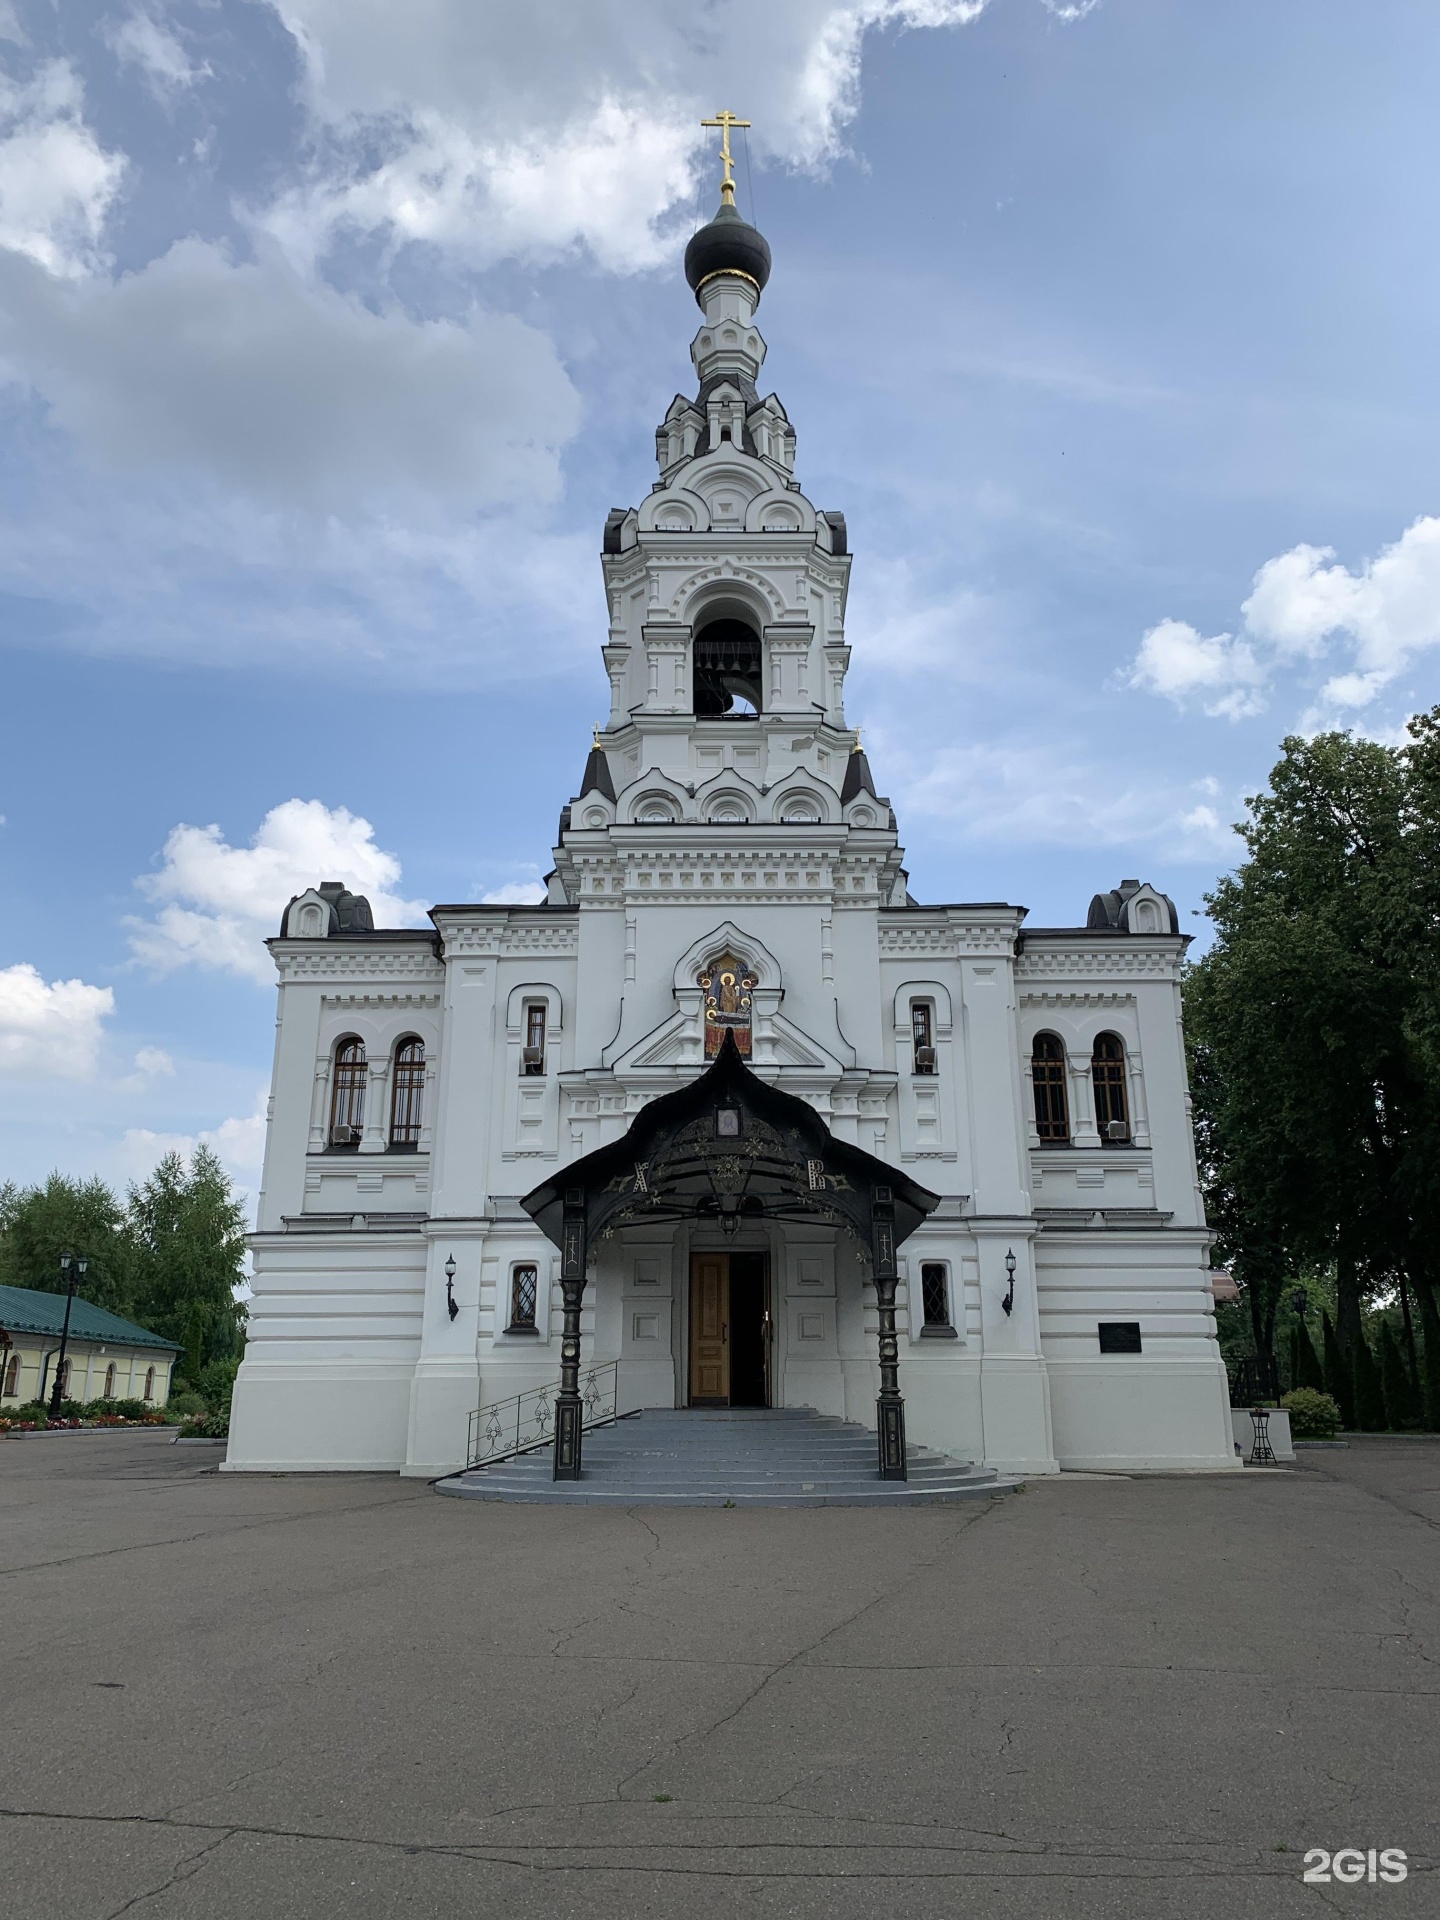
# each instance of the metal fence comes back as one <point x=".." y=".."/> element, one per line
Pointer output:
<point x="1254" y="1378"/>
<point x="526" y="1421"/>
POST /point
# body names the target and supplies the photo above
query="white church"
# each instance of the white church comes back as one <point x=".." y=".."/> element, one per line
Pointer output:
<point x="730" y="1109"/>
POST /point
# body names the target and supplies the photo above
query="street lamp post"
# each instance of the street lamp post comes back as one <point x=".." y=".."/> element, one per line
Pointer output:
<point x="73" y="1267"/>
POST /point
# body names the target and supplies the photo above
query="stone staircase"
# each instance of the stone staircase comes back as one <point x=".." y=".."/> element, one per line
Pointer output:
<point x="736" y="1456"/>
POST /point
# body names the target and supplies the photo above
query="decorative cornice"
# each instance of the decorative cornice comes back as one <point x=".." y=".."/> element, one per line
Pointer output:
<point x="382" y="963"/>
<point x="381" y="999"/>
<point x="1077" y="999"/>
<point x="1068" y="963"/>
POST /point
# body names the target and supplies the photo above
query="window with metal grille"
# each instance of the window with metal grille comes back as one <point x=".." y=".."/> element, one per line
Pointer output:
<point x="524" y="1285"/>
<point x="532" y="1058"/>
<point x="110" y="1381"/>
<point x="408" y="1094"/>
<point x="150" y="1383"/>
<point x="922" y="1033"/>
<point x="12" y="1377"/>
<point x="1107" y="1074"/>
<point x="935" y="1293"/>
<point x="347" y="1097"/>
<point x="1047" y="1072"/>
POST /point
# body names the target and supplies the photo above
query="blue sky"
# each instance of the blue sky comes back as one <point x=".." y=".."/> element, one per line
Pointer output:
<point x="330" y="330"/>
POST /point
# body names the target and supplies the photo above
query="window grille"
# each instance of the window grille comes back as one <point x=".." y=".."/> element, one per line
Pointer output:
<point x="408" y="1095"/>
<point x="935" y="1293"/>
<point x="347" y="1098"/>
<point x="524" y="1285"/>
<point x="110" y="1381"/>
<point x="532" y="1059"/>
<point x="922" y="1032"/>
<point x="150" y="1383"/>
<point x="1107" y="1073"/>
<point x="12" y="1377"/>
<point x="1047" y="1071"/>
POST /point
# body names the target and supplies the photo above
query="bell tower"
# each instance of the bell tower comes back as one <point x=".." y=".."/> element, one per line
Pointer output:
<point x="726" y="588"/>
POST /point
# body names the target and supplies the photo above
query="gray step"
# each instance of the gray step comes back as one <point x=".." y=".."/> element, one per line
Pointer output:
<point x="742" y="1457"/>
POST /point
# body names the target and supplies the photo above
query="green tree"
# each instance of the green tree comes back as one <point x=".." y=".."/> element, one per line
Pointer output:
<point x="1371" y="1415"/>
<point x="189" y="1233"/>
<point x="1315" y="1037"/>
<point x="1395" y="1376"/>
<point x="1339" y="1380"/>
<point x="1308" y="1371"/>
<point x="38" y="1224"/>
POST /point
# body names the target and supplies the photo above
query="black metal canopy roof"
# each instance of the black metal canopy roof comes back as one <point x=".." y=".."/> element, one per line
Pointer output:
<point x="728" y="1147"/>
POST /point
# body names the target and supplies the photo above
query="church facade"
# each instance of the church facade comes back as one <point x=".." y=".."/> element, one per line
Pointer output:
<point x="728" y="879"/>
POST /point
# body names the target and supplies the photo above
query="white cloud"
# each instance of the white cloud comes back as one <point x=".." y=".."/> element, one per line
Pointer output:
<point x="1030" y="792"/>
<point x="1388" y="611"/>
<point x="154" y="1060"/>
<point x="239" y="1144"/>
<point x="1178" y="661"/>
<point x="150" y="44"/>
<point x="483" y="130"/>
<point x="520" y="893"/>
<point x="286" y="391"/>
<point x="50" y="1029"/>
<point x="218" y="903"/>
<point x="56" y="182"/>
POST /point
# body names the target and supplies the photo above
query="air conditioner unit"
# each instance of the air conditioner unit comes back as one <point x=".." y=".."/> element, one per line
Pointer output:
<point x="533" y="1059"/>
<point x="343" y="1136"/>
<point x="1117" y="1130"/>
<point x="924" y="1059"/>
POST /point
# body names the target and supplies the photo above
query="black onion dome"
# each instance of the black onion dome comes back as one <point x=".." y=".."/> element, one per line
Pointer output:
<point x="728" y="245"/>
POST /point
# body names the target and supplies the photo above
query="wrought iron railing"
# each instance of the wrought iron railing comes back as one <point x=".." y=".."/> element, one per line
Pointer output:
<point x="526" y="1421"/>
<point x="1254" y="1377"/>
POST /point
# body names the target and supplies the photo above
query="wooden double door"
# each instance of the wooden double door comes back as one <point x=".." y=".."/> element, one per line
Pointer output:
<point x="729" y="1330"/>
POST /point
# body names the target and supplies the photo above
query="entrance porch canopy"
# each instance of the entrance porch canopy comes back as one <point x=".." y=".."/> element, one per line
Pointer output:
<point x="727" y="1148"/>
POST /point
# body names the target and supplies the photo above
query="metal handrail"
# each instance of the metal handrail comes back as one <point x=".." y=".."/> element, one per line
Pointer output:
<point x="526" y="1421"/>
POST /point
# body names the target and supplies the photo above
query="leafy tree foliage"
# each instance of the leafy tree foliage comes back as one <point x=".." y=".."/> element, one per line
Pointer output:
<point x="189" y="1232"/>
<point x="38" y="1224"/>
<point x="1314" y="1026"/>
<point x="170" y="1257"/>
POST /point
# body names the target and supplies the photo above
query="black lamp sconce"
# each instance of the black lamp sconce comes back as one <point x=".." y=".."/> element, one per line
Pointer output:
<point x="1007" y="1305"/>
<point x="450" y="1300"/>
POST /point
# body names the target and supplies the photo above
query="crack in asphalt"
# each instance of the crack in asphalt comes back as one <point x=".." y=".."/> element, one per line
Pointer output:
<point x="970" y="1861"/>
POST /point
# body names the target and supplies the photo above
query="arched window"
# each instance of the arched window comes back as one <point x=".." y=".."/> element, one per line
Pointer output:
<point x="532" y="1055"/>
<point x="1107" y="1074"/>
<point x="12" y="1377"/>
<point x="65" y="1381"/>
<point x="150" y="1383"/>
<point x="1052" y="1107"/>
<point x="347" y="1098"/>
<point x="727" y="666"/>
<point x="922" y="1033"/>
<point x="407" y="1095"/>
<point x="524" y="1287"/>
<point x="110" y="1381"/>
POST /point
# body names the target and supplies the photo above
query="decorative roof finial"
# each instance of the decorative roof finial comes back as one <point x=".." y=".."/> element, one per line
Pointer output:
<point x="725" y="120"/>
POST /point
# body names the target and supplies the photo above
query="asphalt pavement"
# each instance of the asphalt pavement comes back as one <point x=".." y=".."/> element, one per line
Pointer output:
<point x="235" y="1697"/>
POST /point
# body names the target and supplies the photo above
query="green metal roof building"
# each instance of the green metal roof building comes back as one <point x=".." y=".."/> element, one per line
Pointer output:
<point x="107" y="1358"/>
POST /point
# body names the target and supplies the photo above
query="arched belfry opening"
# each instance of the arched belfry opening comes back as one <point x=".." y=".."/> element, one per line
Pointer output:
<point x="728" y="666"/>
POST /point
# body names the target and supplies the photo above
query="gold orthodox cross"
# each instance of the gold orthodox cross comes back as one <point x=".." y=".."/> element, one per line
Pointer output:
<point x="725" y="120"/>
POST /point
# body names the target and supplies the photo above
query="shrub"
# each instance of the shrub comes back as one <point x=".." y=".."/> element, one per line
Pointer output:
<point x="1313" y="1416"/>
<point x="185" y="1403"/>
<point x="207" y="1426"/>
<point x="217" y="1383"/>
